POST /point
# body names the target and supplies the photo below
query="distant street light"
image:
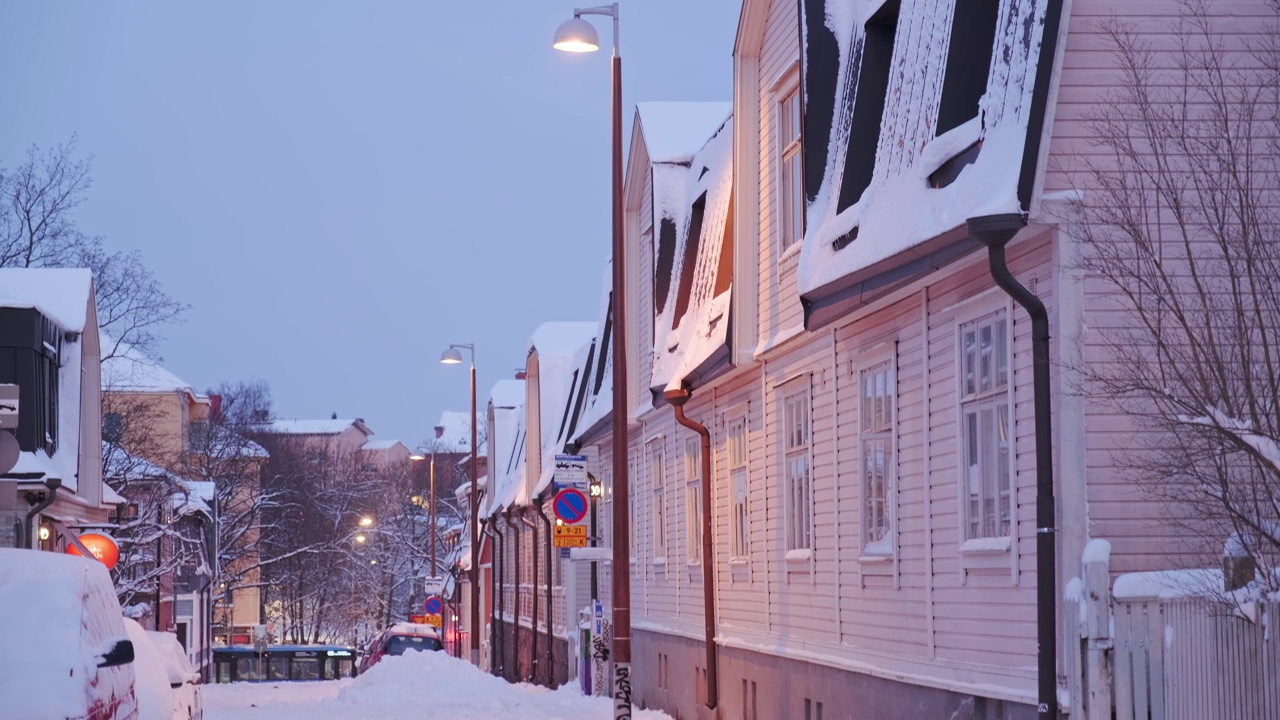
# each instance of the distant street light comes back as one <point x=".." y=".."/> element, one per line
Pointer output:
<point x="366" y="521"/>
<point x="452" y="356"/>
<point x="577" y="35"/>
<point x="421" y="454"/>
<point x="361" y="538"/>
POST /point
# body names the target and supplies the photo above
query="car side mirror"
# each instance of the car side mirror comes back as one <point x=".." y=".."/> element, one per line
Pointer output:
<point x="120" y="654"/>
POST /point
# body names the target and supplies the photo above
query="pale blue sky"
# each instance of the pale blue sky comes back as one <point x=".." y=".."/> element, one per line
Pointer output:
<point x="341" y="189"/>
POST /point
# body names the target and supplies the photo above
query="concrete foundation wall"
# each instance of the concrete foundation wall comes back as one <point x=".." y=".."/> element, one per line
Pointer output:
<point x="758" y="686"/>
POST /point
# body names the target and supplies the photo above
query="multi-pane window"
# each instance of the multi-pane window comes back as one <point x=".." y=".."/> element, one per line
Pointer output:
<point x="737" y="441"/>
<point x="876" y="439"/>
<point x="656" y="470"/>
<point x="797" y="482"/>
<point x="984" y="428"/>
<point x="632" y="503"/>
<point x="606" y="514"/>
<point x="693" y="497"/>
<point x="790" y="190"/>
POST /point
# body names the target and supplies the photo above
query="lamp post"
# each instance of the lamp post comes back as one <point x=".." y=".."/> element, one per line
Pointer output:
<point x="431" y="497"/>
<point x="578" y="35"/>
<point x="452" y="356"/>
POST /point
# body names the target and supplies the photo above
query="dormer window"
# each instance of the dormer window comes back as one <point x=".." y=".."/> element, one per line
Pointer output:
<point x="790" y="190"/>
<point x="973" y="35"/>
<point x="868" y="104"/>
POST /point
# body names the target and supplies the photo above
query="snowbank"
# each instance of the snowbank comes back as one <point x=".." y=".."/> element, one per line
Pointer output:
<point x="419" y="685"/>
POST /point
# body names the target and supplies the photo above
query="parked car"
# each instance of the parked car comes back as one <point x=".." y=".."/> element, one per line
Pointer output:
<point x="186" y="683"/>
<point x="67" y="654"/>
<point x="151" y="676"/>
<point x="399" y="639"/>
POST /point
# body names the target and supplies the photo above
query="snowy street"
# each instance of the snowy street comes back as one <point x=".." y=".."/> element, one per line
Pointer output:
<point x="416" y="685"/>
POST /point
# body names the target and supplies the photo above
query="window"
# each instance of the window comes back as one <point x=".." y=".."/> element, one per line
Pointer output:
<point x="606" y="527"/>
<point x="749" y="700"/>
<point x="693" y="497"/>
<point x="984" y="426"/>
<point x="868" y="105"/>
<point x="633" y="526"/>
<point x="812" y="709"/>
<point x="737" y="441"/>
<point x="112" y="427"/>
<point x="796" y="461"/>
<point x="790" y="190"/>
<point x="875" y="438"/>
<point x="656" y="471"/>
<point x="973" y="36"/>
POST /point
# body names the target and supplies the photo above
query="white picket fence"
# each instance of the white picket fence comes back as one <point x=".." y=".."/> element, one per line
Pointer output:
<point x="1154" y="658"/>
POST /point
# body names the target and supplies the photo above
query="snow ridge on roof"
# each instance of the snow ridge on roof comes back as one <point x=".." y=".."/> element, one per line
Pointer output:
<point x="673" y="131"/>
<point x="62" y="294"/>
<point x="130" y="370"/>
<point x="308" y="427"/>
<point x="507" y="393"/>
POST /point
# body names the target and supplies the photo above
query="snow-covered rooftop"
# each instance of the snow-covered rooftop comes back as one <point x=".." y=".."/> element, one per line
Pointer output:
<point x="309" y="427"/>
<point x="507" y="392"/>
<point x="380" y="444"/>
<point x="674" y="131"/>
<point x="456" y="436"/>
<point x="130" y="370"/>
<point x="61" y="294"/>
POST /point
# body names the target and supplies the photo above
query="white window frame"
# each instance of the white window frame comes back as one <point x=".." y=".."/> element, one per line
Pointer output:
<point x="795" y="439"/>
<point x="693" y="498"/>
<point x="878" y="425"/>
<point x="633" y="503"/>
<point x="789" y="178"/>
<point x="658" y="509"/>
<point x="993" y="550"/>
<point x="738" y="450"/>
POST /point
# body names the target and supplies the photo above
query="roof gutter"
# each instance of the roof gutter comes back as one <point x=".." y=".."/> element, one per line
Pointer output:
<point x="677" y="399"/>
<point x="995" y="231"/>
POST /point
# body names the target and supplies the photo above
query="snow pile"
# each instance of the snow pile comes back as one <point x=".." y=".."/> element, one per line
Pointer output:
<point x="428" y="685"/>
<point x="150" y="676"/>
<point x="454" y="689"/>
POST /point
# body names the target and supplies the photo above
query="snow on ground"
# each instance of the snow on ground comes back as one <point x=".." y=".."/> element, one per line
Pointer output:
<point x="422" y="685"/>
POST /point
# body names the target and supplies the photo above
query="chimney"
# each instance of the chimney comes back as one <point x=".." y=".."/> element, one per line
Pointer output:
<point x="215" y="406"/>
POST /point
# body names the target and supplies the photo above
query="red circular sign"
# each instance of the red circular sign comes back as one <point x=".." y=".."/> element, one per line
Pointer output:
<point x="101" y="547"/>
<point x="434" y="605"/>
<point x="570" y="505"/>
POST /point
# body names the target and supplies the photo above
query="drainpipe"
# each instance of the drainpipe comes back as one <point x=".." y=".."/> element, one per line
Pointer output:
<point x="678" y="398"/>
<point x="995" y="231"/>
<point x="499" y="602"/>
<point x="515" y="611"/>
<point x="551" y="648"/>
<point x="487" y="529"/>
<point x="533" y="620"/>
<point x="53" y="484"/>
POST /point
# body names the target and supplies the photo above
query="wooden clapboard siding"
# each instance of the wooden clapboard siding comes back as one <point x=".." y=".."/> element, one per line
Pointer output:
<point x="780" y="308"/>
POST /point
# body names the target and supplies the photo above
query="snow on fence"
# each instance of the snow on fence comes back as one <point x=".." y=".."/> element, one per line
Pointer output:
<point x="1180" y="656"/>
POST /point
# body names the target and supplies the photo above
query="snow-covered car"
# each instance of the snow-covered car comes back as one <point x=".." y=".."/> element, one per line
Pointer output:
<point x="399" y="639"/>
<point x="188" y="695"/>
<point x="67" y="654"/>
<point x="151" y="675"/>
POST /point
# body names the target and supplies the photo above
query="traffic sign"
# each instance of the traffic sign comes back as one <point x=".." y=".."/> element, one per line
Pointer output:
<point x="571" y="471"/>
<point x="433" y="585"/>
<point x="433" y="605"/>
<point x="570" y="536"/>
<point x="570" y="505"/>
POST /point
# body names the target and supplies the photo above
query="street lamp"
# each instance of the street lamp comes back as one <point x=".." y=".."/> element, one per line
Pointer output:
<point x="421" y="454"/>
<point x="577" y="35"/>
<point x="452" y="356"/>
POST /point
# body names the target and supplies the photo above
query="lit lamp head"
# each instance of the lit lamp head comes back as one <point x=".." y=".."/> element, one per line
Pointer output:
<point x="576" y="35"/>
<point x="451" y="357"/>
<point x="418" y="454"/>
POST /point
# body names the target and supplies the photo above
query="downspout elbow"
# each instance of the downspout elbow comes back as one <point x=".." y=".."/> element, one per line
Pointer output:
<point x="53" y="484"/>
<point x="677" y="399"/>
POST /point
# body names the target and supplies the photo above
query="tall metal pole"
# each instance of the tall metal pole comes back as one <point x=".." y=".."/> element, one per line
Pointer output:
<point x="474" y="628"/>
<point x="621" y="481"/>
<point x="434" y="528"/>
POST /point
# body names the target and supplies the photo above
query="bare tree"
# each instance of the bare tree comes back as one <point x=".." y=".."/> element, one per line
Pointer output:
<point x="38" y="200"/>
<point x="1180" y="220"/>
<point x="153" y="539"/>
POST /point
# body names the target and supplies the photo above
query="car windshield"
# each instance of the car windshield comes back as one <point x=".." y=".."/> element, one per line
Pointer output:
<point x="399" y="644"/>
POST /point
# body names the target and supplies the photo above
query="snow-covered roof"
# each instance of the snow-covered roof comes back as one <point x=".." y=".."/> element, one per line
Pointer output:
<point x="674" y="131"/>
<point x="598" y="369"/>
<point x="560" y="338"/>
<point x="138" y="467"/>
<point x="562" y="348"/>
<point x="380" y="444"/>
<point x="312" y="427"/>
<point x="506" y="468"/>
<point x="130" y="370"/>
<point x="65" y="296"/>
<point x="456" y="436"/>
<point x="691" y="213"/>
<point x="507" y="392"/>
<point x="871" y="207"/>
<point x="61" y="294"/>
